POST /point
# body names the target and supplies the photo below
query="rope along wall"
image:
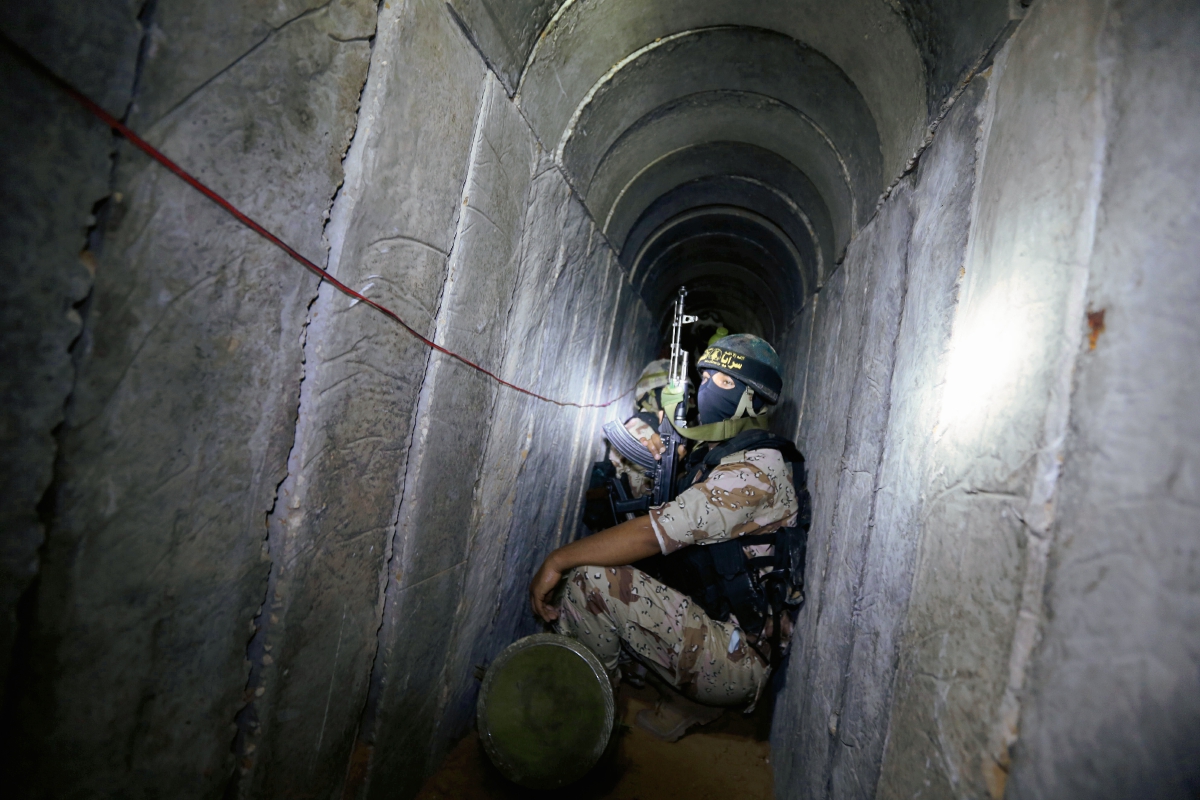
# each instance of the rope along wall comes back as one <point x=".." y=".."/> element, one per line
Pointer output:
<point x="149" y="149"/>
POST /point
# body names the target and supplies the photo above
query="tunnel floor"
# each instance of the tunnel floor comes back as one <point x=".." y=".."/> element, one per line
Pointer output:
<point x="726" y="758"/>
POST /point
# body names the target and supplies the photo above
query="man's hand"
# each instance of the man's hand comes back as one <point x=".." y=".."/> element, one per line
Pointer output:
<point x="544" y="581"/>
<point x="655" y="445"/>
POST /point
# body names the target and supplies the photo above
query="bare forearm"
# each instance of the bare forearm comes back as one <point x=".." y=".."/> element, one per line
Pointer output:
<point x="622" y="544"/>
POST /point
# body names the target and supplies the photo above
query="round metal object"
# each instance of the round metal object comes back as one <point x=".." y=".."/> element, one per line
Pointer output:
<point x="545" y="711"/>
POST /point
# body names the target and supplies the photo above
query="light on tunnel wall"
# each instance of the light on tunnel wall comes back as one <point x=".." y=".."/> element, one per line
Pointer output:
<point x="989" y="343"/>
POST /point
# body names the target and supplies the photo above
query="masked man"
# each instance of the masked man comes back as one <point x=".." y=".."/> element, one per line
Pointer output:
<point x="715" y="634"/>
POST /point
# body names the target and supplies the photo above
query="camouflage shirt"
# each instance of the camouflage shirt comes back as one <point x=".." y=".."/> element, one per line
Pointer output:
<point x="749" y="492"/>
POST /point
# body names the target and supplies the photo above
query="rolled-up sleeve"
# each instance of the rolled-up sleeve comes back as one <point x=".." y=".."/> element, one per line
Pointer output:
<point x="745" y="497"/>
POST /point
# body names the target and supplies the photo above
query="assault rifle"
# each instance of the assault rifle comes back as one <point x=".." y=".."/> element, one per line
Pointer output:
<point x="663" y="468"/>
<point x="677" y="386"/>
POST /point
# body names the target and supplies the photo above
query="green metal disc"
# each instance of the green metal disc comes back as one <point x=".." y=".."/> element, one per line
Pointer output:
<point x="545" y="711"/>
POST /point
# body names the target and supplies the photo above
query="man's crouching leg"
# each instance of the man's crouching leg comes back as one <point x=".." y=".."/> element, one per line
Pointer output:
<point x="707" y="660"/>
<point x="587" y="615"/>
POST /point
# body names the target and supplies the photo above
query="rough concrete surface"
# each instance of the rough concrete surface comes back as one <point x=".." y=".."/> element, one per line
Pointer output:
<point x="1000" y="426"/>
<point x="858" y="312"/>
<point x="562" y="317"/>
<point x="940" y="206"/>
<point x="332" y="527"/>
<point x="952" y="35"/>
<point x="357" y="528"/>
<point x="191" y="44"/>
<point x="504" y="36"/>
<point x="822" y="438"/>
<point x="56" y="159"/>
<point x="153" y="566"/>
<point x="883" y="247"/>
<point x="455" y="413"/>
<point x="967" y="487"/>
<point x="1114" y="703"/>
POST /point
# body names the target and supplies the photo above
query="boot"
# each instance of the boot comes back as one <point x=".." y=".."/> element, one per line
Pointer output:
<point x="673" y="715"/>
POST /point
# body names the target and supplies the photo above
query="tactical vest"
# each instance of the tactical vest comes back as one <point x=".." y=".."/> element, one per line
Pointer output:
<point x="720" y="577"/>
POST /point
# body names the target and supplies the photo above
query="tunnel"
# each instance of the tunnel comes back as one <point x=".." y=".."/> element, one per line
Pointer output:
<point x="261" y="539"/>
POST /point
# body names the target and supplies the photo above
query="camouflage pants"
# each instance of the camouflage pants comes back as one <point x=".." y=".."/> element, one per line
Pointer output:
<point x="708" y="660"/>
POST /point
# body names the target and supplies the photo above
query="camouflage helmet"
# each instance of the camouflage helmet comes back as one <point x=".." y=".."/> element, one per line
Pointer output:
<point x="749" y="359"/>
<point x="654" y="376"/>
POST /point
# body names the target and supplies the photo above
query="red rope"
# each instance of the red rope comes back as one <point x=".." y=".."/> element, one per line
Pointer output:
<point x="186" y="177"/>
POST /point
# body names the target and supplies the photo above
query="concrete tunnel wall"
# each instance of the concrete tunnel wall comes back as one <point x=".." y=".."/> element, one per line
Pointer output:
<point x="257" y="538"/>
<point x="271" y="504"/>
<point x="1003" y="599"/>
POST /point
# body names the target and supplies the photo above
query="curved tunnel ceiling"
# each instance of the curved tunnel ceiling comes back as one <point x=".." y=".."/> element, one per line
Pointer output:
<point x="817" y="111"/>
<point x="748" y="196"/>
<point x="740" y="167"/>
<point x="691" y="244"/>
<point x="743" y="118"/>
<point x="586" y="39"/>
<point x="734" y="146"/>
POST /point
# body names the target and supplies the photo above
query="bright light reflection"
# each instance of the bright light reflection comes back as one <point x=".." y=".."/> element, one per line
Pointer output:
<point x="986" y="350"/>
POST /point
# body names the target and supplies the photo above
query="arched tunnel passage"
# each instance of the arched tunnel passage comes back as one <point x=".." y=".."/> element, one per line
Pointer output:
<point x="713" y="246"/>
<point x="260" y="540"/>
<point x="743" y="176"/>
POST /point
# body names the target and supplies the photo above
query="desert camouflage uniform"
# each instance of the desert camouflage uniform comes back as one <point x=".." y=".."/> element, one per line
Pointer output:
<point x="747" y="493"/>
<point x="639" y="484"/>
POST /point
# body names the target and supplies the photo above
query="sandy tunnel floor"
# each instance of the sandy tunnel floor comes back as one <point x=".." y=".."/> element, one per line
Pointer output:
<point x="726" y="758"/>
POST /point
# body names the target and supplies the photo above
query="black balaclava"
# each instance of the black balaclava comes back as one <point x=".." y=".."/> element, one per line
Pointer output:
<point x="716" y="404"/>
